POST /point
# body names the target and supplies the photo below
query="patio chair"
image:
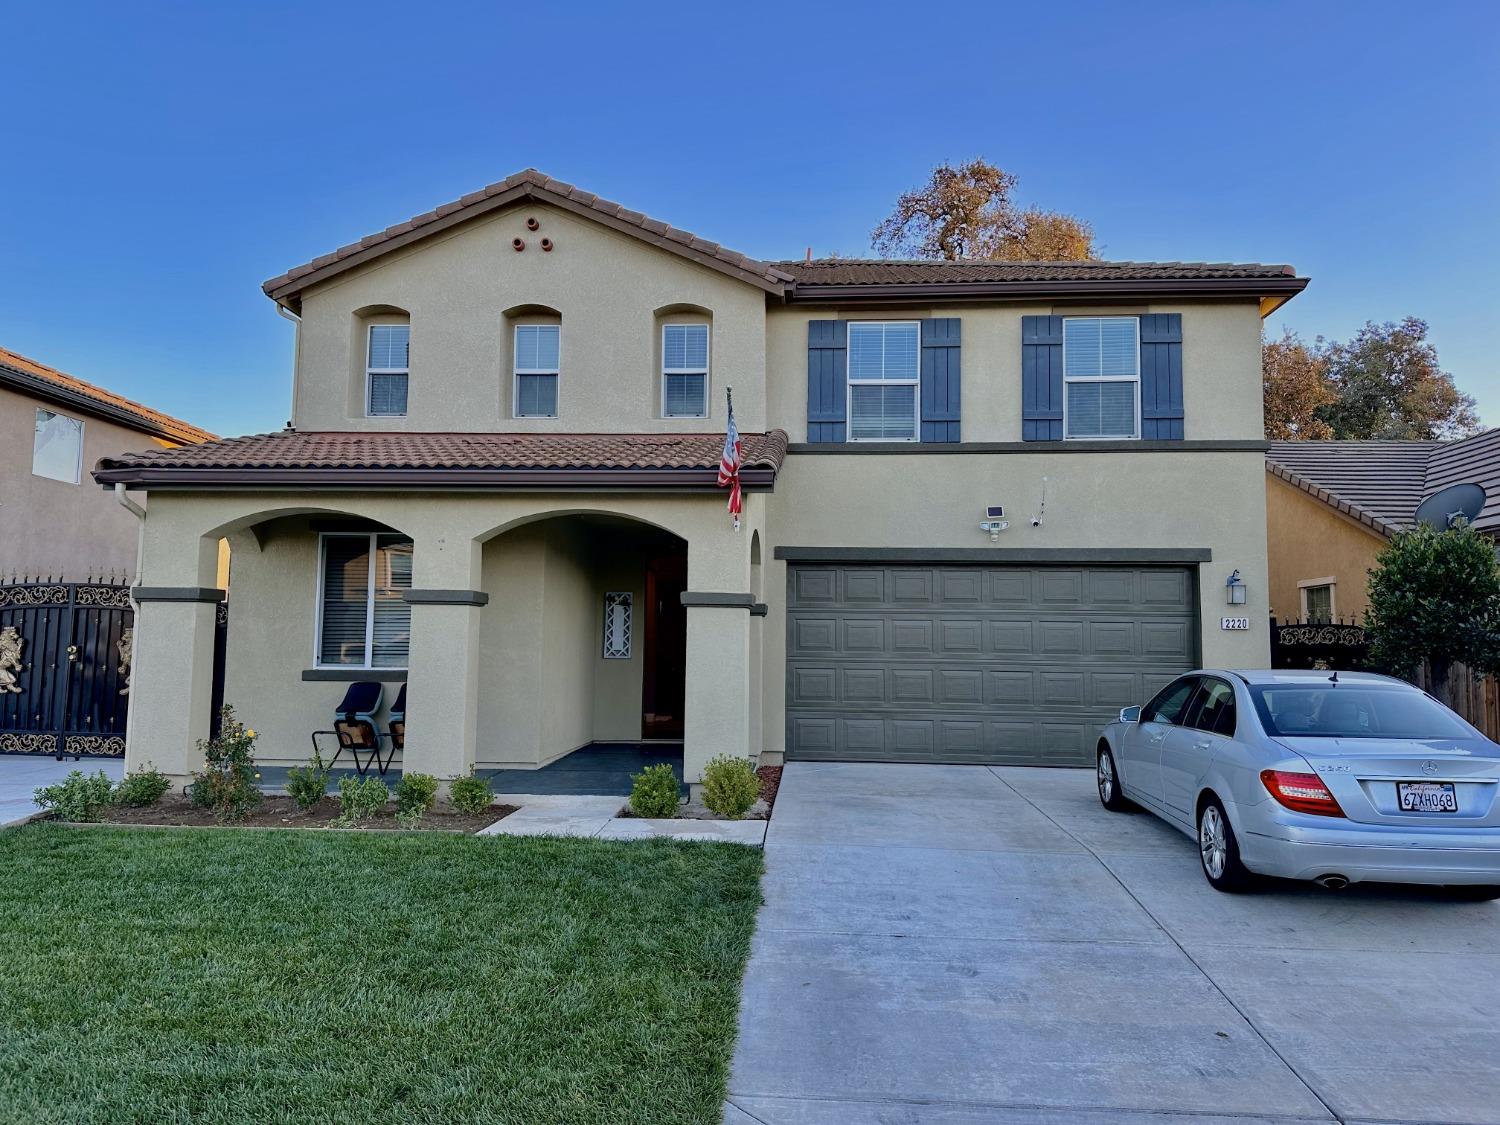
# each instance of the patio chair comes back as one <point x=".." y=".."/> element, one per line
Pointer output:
<point x="396" y="724"/>
<point x="354" y="727"/>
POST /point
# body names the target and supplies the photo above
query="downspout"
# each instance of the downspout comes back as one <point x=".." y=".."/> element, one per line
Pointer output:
<point x="123" y="496"/>
<point x="287" y="314"/>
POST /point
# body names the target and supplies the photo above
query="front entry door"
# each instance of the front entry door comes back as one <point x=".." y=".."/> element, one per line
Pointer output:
<point x="665" y="635"/>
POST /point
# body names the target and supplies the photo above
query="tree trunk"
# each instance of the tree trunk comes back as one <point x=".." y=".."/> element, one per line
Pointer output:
<point x="1440" y="669"/>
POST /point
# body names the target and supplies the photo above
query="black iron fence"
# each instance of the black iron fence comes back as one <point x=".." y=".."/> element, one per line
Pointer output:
<point x="65" y="656"/>
<point x="1340" y="645"/>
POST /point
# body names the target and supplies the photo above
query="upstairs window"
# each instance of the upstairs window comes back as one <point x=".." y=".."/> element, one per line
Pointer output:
<point x="1101" y="376"/>
<point x="684" y="370"/>
<point x="883" y="374"/>
<point x="536" y="368"/>
<point x="386" y="370"/>
<point x="364" y="620"/>
<point x="57" y="448"/>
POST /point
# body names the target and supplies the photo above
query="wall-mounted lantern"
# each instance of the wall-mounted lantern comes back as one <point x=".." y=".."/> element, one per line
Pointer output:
<point x="1234" y="590"/>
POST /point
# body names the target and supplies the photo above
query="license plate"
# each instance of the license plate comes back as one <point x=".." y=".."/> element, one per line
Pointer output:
<point x="1427" y="796"/>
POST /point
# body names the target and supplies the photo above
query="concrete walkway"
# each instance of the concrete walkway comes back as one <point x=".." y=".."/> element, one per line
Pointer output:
<point x="550" y="814"/>
<point x="950" y="945"/>
<point x="22" y="774"/>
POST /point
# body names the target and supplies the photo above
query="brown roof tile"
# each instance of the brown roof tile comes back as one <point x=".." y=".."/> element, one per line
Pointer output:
<point x="244" y="459"/>
<point x="28" y="373"/>
<point x="862" y="271"/>
<point x="1380" y="483"/>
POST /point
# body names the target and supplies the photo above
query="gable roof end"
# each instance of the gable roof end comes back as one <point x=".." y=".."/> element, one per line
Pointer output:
<point x="534" y="185"/>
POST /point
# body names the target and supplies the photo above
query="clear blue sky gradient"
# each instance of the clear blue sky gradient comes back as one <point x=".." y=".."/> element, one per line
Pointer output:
<point x="163" y="160"/>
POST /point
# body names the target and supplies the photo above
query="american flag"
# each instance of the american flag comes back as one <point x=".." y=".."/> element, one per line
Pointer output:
<point x="729" y="465"/>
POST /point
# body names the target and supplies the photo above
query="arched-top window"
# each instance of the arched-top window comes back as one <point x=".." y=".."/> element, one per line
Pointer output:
<point x="535" y="333"/>
<point x="386" y="343"/>
<point x="684" y="341"/>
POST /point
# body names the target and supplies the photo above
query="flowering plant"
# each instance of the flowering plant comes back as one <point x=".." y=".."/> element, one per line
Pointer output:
<point x="227" y="783"/>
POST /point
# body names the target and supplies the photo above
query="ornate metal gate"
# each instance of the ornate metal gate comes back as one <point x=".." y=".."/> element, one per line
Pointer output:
<point x="65" y="654"/>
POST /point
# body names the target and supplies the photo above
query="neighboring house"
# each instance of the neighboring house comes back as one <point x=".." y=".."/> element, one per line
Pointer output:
<point x="53" y="427"/>
<point x="501" y="490"/>
<point x="1331" y="506"/>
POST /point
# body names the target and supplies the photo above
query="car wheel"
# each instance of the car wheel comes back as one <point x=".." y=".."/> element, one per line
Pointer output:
<point x="1469" y="893"/>
<point x="1219" y="852"/>
<point x="1110" y="795"/>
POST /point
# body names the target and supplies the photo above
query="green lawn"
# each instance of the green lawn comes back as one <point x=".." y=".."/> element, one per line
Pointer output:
<point x="219" y="975"/>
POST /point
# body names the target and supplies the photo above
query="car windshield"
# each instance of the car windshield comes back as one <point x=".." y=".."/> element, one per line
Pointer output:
<point x="1353" y="711"/>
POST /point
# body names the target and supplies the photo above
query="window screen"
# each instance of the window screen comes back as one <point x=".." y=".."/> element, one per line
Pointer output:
<point x="1101" y="368"/>
<point x="883" y="375"/>
<point x="538" y="347"/>
<point x="387" y="369"/>
<point x="684" y="370"/>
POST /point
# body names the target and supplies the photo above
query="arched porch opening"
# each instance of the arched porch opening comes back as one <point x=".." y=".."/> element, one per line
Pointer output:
<point x="582" y="644"/>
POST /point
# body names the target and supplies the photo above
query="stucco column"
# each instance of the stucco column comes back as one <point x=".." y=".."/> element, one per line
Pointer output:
<point x="716" y="717"/>
<point x="172" y="660"/>
<point x="442" y="702"/>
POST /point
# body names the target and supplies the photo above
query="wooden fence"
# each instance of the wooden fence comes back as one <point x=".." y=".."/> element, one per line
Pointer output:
<point x="1476" y="697"/>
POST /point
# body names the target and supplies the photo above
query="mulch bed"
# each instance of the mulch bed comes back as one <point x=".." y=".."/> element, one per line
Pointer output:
<point x="770" y="781"/>
<point x="282" y="812"/>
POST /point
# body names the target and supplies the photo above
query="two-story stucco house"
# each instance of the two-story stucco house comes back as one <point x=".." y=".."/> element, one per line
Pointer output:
<point x="500" y="489"/>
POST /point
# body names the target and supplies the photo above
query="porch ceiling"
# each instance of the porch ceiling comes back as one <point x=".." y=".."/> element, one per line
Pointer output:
<point x="447" y="460"/>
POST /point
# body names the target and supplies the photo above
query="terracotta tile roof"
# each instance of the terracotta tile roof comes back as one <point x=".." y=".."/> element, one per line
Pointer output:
<point x="867" y="271"/>
<point x="534" y="185"/>
<point x="21" y="373"/>
<point x="441" y="457"/>
<point x="1380" y="483"/>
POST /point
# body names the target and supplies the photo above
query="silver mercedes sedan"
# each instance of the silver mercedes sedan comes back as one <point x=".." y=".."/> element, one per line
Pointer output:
<point x="1335" y="777"/>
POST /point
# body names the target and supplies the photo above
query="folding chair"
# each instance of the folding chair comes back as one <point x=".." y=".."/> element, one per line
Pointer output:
<point x="397" y="722"/>
<point x="354" y="727"/>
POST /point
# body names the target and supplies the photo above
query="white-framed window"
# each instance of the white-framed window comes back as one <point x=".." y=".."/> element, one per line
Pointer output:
<point x="1101" y="377"/>
<point x="884" y="360"/>
<point x="1318" y="599"/>
<point x="387" y="370"/>
<point x="537" y="349"/>
<point x="618" y="607"/>
<point x="57" y="448"/>
<point x="364" y="620"/>
<point x="684" y="370"/>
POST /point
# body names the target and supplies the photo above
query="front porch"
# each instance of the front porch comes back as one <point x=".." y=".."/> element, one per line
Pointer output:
<point x="556" y="644"/>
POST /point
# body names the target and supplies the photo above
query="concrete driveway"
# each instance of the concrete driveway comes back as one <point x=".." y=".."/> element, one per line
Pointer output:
<point x="949" y="945"/>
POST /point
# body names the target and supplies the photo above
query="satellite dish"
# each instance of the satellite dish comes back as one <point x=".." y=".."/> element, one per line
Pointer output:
<point x="1455" y="505"/>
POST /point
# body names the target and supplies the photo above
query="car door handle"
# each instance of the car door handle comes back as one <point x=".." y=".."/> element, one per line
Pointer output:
<point x="1204" y="745"/>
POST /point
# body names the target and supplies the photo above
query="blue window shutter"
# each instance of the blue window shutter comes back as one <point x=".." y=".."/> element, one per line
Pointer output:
<point x="827" y="379"/>
<point x="941" y="383"/>
<point x="1041" y="378"/>
<point x="1161" y="376"/>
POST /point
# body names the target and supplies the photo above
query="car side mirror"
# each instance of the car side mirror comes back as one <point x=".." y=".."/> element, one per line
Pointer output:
<point x="1130" y="714"/>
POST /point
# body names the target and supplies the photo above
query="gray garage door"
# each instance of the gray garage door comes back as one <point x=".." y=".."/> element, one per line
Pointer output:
<point x="1006" y="664"/>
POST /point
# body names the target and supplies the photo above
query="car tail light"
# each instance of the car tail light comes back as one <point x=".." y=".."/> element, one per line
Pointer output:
<point x="1301" y="792"/>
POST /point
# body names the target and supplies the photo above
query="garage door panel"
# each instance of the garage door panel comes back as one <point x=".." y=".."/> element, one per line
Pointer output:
<point x="973" y="663"/>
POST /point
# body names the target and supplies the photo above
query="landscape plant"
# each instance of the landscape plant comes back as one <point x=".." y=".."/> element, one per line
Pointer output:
<point x="143" y="788"/>
<point x="360" y="798"/>
<point x="654" y="792"/>
<point x="470" y="793"/>
<point x="730" y="786"/>
<point x="416" y="793"/>
<point x="1435" y="599"/>
<point x="307" y="785"/>
<point x="78" y="797"/>
<point x="227" y="782"/>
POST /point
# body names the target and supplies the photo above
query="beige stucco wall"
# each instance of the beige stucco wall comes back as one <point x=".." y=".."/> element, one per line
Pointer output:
<point x="457" y="289"/>
<point x="49" y="526"/>
<point x="1309" y="540"/>
<point x="1214" y="500"/>
<point x="1220" y="361"/>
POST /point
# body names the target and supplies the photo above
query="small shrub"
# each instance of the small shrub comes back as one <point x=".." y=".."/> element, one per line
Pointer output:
<point x="360" y="798"/>
<point x="77" y="798"/>
<point x="730" y="786"/>
<point x="415" y="795"/>
<point x="228" y="781"/>
<point x="654" y="791"/>
<point x="470" y="794"/>
<point x="143" y="788"/>
<point x="307" y="785"/>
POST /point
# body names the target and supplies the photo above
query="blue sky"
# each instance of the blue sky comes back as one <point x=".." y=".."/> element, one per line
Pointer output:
<point x="163" y="160"/>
